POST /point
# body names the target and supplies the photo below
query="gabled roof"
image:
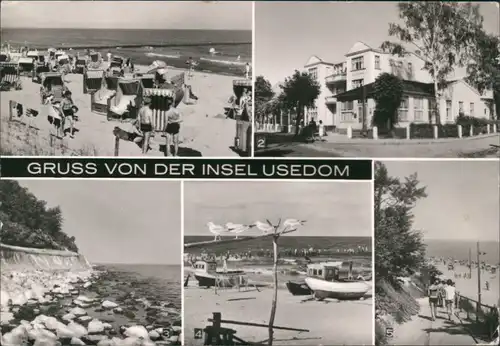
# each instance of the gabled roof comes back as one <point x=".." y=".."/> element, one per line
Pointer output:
<point x="359" y="47"/>
<point x="314" y="59"/>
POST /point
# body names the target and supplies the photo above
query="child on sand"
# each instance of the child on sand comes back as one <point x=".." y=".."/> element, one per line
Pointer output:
<point x="172" y="130"/>
<point x="433" y="293"/>
<point x="145" y="122"/>
<point x="247" y="71"/>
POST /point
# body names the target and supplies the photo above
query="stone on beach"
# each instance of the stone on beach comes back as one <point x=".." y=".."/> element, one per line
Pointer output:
<point x="78" y="312"/>
<point x="95" y="326"/>
<point x="76" y="341"/>
<point x="108" y="304"/>
<point x="6" y="317"/>
<point x="68" y="317"/>
<point x="77" y="329"/>
<point x="137" y="331"/>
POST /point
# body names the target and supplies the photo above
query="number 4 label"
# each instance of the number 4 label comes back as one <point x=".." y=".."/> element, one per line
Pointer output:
<point x="198" y="333"/>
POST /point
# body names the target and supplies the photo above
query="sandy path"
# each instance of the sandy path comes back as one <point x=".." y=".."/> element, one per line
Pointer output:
<point x="204" y="131"/>
<point x="421" y="330"/>
<point x="332" y="323"/>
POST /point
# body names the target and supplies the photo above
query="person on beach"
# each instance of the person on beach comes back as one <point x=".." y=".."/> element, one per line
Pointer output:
<point x="145" y="123"/>
<point x="247" y="71"/>
<point x="109" y="57"/>
<point x="190" y="64"/>
<point x="68" y="110"/>
<point x="172" y="129"/>
<point x="449" y="291"/>
<point x="440" y="293"/>
<point x="433" y="293"/>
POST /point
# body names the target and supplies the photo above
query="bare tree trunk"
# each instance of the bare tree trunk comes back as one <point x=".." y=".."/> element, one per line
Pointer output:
<point x="436" y="97"/>
<point x="275" y="295"/>
<point x="298" y="120"/>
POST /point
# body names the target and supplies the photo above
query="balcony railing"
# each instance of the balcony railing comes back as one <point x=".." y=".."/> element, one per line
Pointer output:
<point x="337" y="77"/>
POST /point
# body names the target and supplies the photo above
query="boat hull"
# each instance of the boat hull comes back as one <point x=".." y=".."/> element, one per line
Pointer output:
<point x="298" y="288"/>
<point x="339" y="290"/>
<point x="225" y="279"/>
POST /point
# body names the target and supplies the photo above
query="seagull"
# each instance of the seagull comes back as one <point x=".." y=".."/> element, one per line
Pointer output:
<point x="293" y="223"/>
<point x="264" y="227"/>
<point x="237" y="228"/>
<point x="215" y="230"/>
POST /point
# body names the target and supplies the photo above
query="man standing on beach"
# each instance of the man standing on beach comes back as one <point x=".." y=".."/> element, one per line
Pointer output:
<point x="145" y="123"/>
<point x="172" y="129"/>
<point x="247" y="71"/>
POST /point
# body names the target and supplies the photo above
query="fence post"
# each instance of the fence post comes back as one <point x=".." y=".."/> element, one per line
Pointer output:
<point x="349" y="132"/>
<point x="117" y="146"/>
<point x="494" y="128"/>
<point x="375" y="132"/>
<point x="435" y="131"/>
<point x="10" y="109"/>
<point x="488" y="128"/>
<point x="408" y="132"/>
<point x="459" y="131"/>
<point x="471" y="131"/>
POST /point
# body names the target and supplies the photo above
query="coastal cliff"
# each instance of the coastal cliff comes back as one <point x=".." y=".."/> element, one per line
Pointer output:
<point x="18" y="258"/>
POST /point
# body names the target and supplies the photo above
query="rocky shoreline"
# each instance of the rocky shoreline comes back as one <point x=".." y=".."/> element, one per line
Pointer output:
<point x="103" y="308"/>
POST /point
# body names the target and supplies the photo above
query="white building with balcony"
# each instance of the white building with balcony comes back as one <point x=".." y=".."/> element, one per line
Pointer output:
<point x="340" y="105"/>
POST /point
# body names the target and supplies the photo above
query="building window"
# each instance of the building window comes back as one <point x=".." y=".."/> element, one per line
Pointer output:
<point x="358" y="63"/>
<point x="312" y="113"/>
<point x="377" y="62"/>
<point x="418" y="106"/>
<point x="346" y="113"/>
<point x="403" y="109"/>
<point x="357" y="83"/>
<point x="448" y="110"/>
<point x="472" y="109"/>
<point x="460" y="108"/>
<point x="313" y="72"/>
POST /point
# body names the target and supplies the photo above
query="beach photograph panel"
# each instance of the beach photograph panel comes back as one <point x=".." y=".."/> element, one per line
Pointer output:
<point x="161" y="78"/>
<point x="90" y="263"/>
<point x="437" y="252"/>
<point x="369" y="79"/>
<point x="278" y="263"/>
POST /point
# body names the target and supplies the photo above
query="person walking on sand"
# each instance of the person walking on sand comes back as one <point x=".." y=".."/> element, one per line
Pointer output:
<point x="449" y="291"/>
<point x="172" y="129"/>
<point x="433" y="292"/>
<point x="145" y="123"/>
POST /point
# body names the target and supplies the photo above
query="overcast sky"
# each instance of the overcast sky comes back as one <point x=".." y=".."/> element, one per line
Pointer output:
<point x="118" y="221"/>
<point x="330" y="208"/>
<point x="287" y="34"/>
<point x="463" y="198"/>
<point x="222" y="15"/>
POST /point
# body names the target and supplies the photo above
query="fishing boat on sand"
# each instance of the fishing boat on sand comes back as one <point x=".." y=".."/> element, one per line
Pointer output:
<point x="324" y="281"/>
<point x="208" y="275"/>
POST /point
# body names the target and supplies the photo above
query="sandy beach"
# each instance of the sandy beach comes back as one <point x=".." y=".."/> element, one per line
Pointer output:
<point x="468" y="287"/>
<point x="205" y="131"/>
<point x="329" y="322"/>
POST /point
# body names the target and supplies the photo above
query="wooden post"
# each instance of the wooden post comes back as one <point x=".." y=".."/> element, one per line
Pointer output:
<point x="275" y="294"/>
<point x="459" y="131"/>
<point x="478" y="306"/>
<point x="408" y="132"/>
<point x="375" y="132"/>
<point x="10" y="109"/>
<point x="117" y="146"/>
<point x="435" y="131"/>
<point x="471" y="131"/>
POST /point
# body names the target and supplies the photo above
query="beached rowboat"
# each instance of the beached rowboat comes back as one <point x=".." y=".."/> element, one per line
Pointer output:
<point x="338" y="290"/>
<point x="298" y="288"/>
